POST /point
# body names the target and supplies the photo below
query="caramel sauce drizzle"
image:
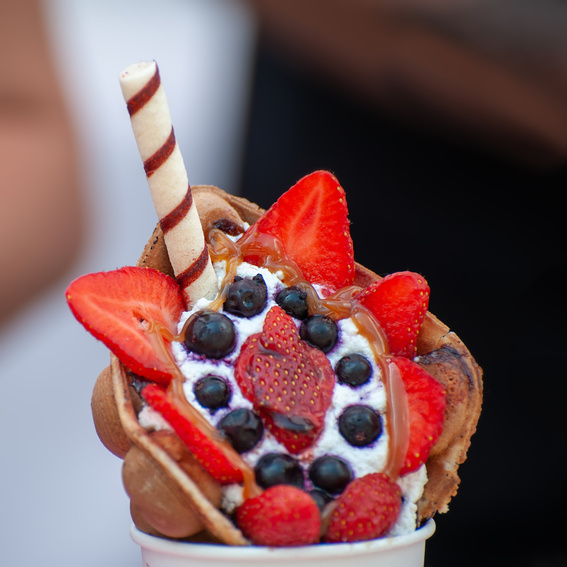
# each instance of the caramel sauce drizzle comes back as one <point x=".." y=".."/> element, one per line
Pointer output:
<point x="268" y="253"/>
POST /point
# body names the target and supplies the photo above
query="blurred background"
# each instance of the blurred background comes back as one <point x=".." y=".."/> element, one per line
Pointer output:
<point x="444" y="120"/>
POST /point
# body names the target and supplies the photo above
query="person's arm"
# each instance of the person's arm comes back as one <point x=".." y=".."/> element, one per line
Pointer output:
<point x="40" y="204"/>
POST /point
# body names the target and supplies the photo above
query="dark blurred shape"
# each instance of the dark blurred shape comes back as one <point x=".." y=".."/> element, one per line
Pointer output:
<point x="493" y="73"/>
<point x="476" y="206"/>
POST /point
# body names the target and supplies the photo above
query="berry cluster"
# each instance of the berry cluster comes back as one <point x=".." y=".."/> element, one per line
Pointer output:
<point x="213" y="335"/>
<point x="292" y="420"/>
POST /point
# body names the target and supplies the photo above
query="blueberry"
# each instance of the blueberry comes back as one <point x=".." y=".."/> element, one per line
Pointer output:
<point x="243" y="429"/>
<point x="246" y="297"/>
<point x="321" y="498"/>
<point x="212" y="392"/>
<point x="211" y="334"/>
<point x="330" y="473"/>
<point x="353" y="370"/>
<point x="293" y="301"/>
<point x="319" y="331"/>
<point x="278" y="468"/>
<point x="360" y="425"/>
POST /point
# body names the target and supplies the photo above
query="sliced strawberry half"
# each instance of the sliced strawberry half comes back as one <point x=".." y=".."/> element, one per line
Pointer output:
<point x="134" y="312"/>
<point x="426" y="407"/>
<point x="289" y="382"/>
<point x="399" y="302"/>
<point x="367" y="509"/>
<point x="311" y="222"/>
<point x="283" y="515"/>
<point x="205" y="449"/>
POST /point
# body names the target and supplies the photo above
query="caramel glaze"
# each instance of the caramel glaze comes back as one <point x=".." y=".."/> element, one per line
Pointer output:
<point x="266" y="251"/>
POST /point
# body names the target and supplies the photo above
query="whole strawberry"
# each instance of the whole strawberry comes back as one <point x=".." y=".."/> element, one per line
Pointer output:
<point x="367" y="509"/>
<point x="283" y="515"/>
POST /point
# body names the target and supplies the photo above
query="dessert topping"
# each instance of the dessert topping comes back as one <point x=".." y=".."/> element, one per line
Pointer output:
<point x="281" y="516"/>
<point x="134" y="312"/>
<point x="311" y="222"/>
<point x="167" y="179"/>
<point x="204" y="448"/>
<point x="399" y="302"/>
<point x="330" y="473"/>
<point x="289" y="382"/>
<point x="426" y="402"/>
<point x="243" y="429"/>
<point x="213" y="392"/>
<point x="354" y="370"/>
<point x="321" y="498"/>
<point x="209" y="333"/>
<point x="319" y="331"/>
<point x="293" y="301"/>
<point x="246" y="297"/>
<point x="367" y="509"/>
<point x="278" y="468"/>
<point x="360" y="425"/>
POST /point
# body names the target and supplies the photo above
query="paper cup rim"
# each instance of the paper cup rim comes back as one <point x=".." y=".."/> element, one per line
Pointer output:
<point x="258" y="553"/>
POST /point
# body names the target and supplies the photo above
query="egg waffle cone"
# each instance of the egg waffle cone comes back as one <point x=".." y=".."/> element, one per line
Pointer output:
<point x="172" y="495"/>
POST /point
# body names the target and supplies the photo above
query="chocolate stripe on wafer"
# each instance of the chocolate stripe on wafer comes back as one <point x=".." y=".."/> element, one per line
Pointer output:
<point x="192" y="273"/>
<point x="154" y="162"/>
<point x="140" y="99"/>
<point x="167" y="179"/>
<point x="178" y="214"/>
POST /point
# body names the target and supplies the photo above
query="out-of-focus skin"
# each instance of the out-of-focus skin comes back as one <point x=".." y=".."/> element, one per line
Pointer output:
<point x="495" y="70"/>
<point x="40" y="207"/>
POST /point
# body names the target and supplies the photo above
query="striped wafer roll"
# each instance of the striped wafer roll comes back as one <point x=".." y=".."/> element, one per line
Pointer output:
<point x="167" y="178"/>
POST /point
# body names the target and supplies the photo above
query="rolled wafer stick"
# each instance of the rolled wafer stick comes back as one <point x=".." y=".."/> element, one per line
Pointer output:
<point x="167" y="179"/>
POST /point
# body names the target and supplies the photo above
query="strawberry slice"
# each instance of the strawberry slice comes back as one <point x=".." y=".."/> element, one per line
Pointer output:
<point x="367" y="509"/>
<point x="426" y="405"/>
<point x="399" y="302"/>
<point x="289" y="382"/>
<point x="311" y="222"/>
<point x="283" y="515"/>
<point x="134" y="312"/>
<point x="205" y="449"/>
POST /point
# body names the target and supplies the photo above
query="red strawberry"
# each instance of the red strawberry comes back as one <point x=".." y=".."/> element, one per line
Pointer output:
<point x="283" y="515"/>
<point x="206" y="451"/>
<point x="367" y="509"/>
<point x="134" y="312"/>
<point x="311" y="222"/>
<point x="289" y="382"/>
<point x="399" y="302"/>
<point x="426" y="404"/>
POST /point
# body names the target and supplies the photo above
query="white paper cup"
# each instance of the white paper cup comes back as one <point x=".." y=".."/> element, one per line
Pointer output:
<point x="403" y="551"/>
